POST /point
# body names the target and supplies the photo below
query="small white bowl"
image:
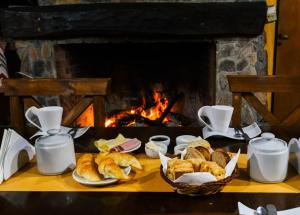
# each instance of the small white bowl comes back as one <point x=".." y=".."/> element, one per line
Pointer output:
<point x="185" y="139"/>
<point x="180" y="148"/>
<point x="155" y="139"/>
<point x="154" y="153"/>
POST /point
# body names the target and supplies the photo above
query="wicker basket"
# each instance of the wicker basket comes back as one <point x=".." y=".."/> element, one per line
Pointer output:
<point x="208" y="188"/>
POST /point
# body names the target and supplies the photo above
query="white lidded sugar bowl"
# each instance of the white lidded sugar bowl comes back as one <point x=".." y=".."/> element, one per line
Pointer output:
<point x="55" y="154"/>
<point x="268" y="159"/>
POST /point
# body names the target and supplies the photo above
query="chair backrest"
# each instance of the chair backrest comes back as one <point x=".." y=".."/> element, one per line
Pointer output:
<point x="244" y="86"/>
<point x="93" y="89"/>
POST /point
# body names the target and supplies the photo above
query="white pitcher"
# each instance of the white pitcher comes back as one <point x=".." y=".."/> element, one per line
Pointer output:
<point x="49" y="117"/>
<point x="218" y="115"/>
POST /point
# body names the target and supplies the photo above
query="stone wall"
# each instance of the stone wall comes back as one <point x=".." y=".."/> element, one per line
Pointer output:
<point x="238" y="56"/>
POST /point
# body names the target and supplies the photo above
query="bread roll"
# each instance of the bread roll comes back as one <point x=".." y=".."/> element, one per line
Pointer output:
<point x="205" y="152"/>
<point x="213" y="168"/>
<point x="177" y="168"/>
<point x="203" y="143"/>
<point x="87" y="169"/>
<point x="192" y="153"/>
<point x="109" y="168"/>
<point x="220" y="157"/>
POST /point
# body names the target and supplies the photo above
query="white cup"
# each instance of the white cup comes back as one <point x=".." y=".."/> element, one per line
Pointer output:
<point x="218" y="115"/>
<point x="160" y="139"/>
<point x="49" y="117"/>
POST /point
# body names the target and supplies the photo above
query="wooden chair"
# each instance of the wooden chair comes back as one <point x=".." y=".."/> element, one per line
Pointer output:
<point x="94" y="90"/>
<point x="244" y="86"/>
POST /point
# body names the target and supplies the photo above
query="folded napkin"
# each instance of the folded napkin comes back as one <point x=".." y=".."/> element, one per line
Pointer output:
<point x="294" y="158"/>
<point x="244" y="210"/>
<point x="64" y="130"/>
<point x="15" y="152"/>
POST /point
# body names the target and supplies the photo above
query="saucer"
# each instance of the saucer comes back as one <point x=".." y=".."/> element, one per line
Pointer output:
<point x="252" y="131"/>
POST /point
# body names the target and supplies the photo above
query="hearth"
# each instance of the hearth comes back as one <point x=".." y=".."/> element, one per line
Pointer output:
<point x="165" y="59"/>
<point x="153" y="84"/>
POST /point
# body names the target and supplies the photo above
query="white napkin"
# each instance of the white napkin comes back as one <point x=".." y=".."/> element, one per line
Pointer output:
<point x="252" y="130"/>
<point x="10" y="158"/>
<point x="244" y="210"/>
<point x="64" y="130"/>
<point x="294" y="158"/>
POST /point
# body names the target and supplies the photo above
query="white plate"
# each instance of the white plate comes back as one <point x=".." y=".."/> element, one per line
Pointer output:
<point x="133" y="149"/>
<point x="104" y="182"/>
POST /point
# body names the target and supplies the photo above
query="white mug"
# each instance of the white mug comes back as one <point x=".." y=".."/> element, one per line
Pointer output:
<point x="49" y="117"/>
<point x="218" y="115"/>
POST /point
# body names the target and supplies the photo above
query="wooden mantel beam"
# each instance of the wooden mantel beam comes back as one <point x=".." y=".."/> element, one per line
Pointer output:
<point x="212" y="19"/>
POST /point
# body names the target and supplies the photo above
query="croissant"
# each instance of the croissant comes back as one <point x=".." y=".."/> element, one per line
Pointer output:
<point x="109" y="168"/>
<point x="86" y="158"/>
<point x="124" y="160"/>
<point x="87" y="169"/>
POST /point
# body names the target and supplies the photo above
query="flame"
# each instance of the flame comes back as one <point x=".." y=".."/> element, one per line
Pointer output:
<point x="152" y="113"/>
<point x="87" y="117"/>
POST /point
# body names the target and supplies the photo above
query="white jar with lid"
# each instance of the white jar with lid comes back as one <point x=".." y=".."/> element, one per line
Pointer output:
<point x="55" y="154"/>
<point x="268" y="159"/>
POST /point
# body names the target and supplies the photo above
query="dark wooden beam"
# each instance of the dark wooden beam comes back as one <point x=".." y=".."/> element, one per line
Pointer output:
<point x="52" y="87"/>
<point x="215" y="19"/>
<point x="253" y="83"/>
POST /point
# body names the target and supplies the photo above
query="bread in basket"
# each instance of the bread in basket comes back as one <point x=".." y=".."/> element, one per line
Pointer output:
<point x="199" y="158"/>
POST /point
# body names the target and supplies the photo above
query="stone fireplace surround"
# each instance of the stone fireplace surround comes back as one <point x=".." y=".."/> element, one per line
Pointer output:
<point x="234" y="56"/>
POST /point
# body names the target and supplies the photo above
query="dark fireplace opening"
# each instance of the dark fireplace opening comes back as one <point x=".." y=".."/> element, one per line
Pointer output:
<point x="153" y="84"/>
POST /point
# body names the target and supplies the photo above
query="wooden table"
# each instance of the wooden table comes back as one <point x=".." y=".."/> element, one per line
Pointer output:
<point x="144" y="203"/>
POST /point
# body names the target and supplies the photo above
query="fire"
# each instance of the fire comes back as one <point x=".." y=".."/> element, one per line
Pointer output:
<point x="153" y="113"/>
<point x="156" y="111"/>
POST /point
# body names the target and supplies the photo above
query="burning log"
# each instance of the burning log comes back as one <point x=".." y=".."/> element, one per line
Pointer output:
<point x="170" y="105"/>
<point x="148" y="117"/>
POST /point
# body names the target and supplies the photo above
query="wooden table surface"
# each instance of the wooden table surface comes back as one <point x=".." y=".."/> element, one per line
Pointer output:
<point x="144" y="203"/>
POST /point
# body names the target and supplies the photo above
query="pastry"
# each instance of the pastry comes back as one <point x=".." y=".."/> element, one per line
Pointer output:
<point x="213" y="168"/>
<point x="177" y="168"/>
<point x="122" y="159"/>
<point x="85" y="158"/>
<point x="220" y="157"/>
<point x="193" y="153"/>
<point x="196" y="162"/>
<point x="204" y="151"/>
<point x="87" y="168"/>
<point x="109" y="168"/>
<point x="203" y="143"/>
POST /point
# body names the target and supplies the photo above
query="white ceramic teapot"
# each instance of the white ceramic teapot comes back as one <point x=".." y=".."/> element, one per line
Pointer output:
<point x="268" y="159"/>
<point x="55" y="154"/>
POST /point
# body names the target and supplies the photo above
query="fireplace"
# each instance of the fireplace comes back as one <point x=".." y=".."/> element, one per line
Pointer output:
<point x="167" y="56"/>
<point x="153" y="84"/>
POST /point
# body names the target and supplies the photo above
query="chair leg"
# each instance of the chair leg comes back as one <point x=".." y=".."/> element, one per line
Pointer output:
<point x="17" y="114"/>
<point x="237" y="105"/>
<point x="99" y="114"/>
